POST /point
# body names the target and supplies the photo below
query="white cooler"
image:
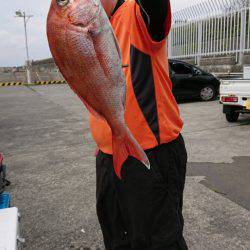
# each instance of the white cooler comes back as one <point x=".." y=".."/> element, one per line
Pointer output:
<point x="9" y="229"/>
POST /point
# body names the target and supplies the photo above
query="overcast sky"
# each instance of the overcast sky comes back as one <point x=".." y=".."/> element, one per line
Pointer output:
<point x="12" y="46"/>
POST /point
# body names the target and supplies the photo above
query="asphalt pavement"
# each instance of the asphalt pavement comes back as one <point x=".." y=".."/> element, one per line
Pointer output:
<point x="50" y="157"/>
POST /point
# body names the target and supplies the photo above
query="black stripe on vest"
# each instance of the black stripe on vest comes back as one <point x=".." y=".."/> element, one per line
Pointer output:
<point x="144" y="88"/>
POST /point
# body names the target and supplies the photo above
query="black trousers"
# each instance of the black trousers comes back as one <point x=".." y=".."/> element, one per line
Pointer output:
<point x="143" y="211"/>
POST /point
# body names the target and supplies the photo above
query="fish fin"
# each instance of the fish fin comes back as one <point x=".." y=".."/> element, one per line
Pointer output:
<point x="92" y="111"/>
<point x="125" y="147"/>
<point x="89" y="108"/>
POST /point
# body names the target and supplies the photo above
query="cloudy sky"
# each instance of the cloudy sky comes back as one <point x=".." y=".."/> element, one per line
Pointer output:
<point x="12" y="46"/>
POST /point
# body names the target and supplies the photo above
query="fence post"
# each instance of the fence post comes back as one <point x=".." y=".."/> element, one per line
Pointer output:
<point x="170" y="45"/>
<point x="242" y="36"/>
<point x="199" y="42"/>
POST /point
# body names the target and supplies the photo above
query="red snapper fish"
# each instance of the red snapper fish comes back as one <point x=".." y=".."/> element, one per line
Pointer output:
<point x="87" y="54"/>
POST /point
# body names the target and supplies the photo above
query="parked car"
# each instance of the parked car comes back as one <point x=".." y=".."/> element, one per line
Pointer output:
<point x="191" y="82"/>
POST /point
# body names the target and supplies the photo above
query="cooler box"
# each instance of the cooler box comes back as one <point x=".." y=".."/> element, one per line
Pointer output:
<point x="8" y="228"/>
<point x="4" y="201"/>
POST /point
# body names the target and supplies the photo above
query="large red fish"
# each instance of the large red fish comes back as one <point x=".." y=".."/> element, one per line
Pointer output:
<point x="85" y="49"/>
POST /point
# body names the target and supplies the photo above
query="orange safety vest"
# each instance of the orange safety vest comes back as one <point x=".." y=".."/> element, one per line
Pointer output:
<point x="152" y="114"/>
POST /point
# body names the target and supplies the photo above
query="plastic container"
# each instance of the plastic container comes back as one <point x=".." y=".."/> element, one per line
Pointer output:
<point x="9" y="229"/>
<point x="4" y="200"/>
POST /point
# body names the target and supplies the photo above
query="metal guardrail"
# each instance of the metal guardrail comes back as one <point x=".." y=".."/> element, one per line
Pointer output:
<point x="211" y="28"/>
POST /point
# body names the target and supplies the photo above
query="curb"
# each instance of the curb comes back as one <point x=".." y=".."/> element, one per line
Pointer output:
<point x="8" y="84"/>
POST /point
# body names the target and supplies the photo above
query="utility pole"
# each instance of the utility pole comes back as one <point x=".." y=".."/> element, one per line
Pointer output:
<point x="26" y="18"/>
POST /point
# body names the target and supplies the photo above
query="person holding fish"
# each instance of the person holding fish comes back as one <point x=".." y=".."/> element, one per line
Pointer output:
<point x="113" y="55"/>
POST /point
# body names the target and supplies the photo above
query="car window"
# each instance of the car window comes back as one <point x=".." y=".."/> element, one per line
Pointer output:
<point x="179" y="68"/>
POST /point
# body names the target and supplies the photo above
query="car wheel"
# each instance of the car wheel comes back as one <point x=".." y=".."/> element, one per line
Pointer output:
<point x="208" y="93"/>
<point x="232" y="116"/>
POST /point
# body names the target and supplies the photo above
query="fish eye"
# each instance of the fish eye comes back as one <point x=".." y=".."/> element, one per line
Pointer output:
<point x="62" y="2"/>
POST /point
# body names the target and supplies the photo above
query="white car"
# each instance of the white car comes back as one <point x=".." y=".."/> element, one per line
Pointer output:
<point x="235" y="96"/>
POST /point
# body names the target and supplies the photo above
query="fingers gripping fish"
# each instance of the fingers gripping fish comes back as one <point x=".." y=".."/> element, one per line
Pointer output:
<point x="85" y="49"/>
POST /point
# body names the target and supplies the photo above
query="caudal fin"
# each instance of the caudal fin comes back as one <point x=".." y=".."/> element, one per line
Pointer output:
<point x="125" y="147"/>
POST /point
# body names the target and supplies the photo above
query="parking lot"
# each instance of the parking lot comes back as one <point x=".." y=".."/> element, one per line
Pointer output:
<point x="49" y="152"/>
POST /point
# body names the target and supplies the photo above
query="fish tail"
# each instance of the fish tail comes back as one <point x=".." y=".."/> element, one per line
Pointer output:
<point x="126" y="146"/>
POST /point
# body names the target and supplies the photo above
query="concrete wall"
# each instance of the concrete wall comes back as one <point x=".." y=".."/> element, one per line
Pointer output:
<point x="14" y="74"/>
<point x="46" y="70"/>
<point x="42" y="70"/>
<point x="219" y="64"/>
